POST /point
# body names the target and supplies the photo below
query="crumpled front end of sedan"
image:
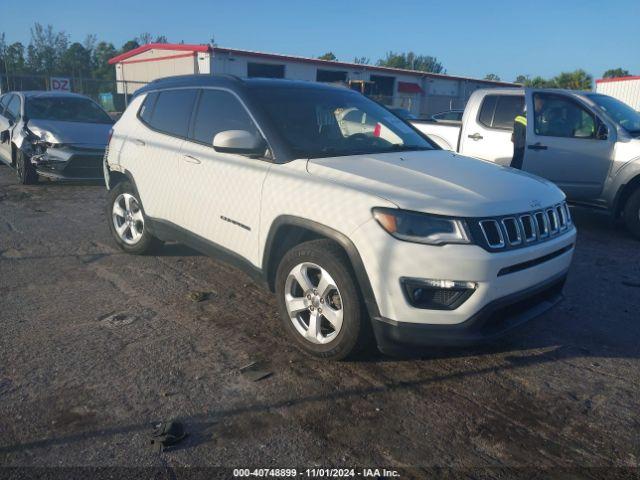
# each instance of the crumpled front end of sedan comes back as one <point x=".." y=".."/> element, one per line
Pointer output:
<point x="53" y="157"/>
<point x="68" y="162"/>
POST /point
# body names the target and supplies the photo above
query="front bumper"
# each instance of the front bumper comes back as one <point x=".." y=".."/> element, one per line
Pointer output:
<point x="501" y="278"/>
<point x="495" y="319"/>
<point x="70" y="163"/>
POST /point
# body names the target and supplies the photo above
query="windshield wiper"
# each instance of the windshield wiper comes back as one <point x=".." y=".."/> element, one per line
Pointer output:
<point x="396" y="147"/>
<point x="341" y="152"/>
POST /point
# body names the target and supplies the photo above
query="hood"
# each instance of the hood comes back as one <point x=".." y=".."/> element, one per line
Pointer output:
<point x="440" y="182"/>
<point x="89" y="134"/>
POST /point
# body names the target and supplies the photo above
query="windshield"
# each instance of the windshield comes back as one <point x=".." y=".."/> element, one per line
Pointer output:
<point x="622" y="113"/>
<point x="319" y="123"/>
<point x="65" y="109"/>
<point x="404" y="113"/>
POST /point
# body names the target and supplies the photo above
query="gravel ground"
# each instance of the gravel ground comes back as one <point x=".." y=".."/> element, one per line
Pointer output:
<point x="97" y="345"/>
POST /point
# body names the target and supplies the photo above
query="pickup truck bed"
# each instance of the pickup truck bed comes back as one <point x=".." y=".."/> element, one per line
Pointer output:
<point x="445" y="134"/>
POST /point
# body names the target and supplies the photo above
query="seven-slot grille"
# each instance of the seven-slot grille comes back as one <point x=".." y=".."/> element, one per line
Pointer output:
<point x="514" y="231"/>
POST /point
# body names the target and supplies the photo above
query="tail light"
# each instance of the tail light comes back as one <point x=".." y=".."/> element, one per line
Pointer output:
<point x="376" y="130"/>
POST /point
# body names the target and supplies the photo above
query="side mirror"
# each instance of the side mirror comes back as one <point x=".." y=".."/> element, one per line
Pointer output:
<point x="240" y="142"/>
<point x="602" y="132"/>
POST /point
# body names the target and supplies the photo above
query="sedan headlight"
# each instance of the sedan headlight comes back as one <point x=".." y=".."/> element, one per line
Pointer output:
<point x="421" y="227"/>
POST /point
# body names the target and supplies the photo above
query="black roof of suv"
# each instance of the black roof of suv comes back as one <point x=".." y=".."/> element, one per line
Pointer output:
<point x="227" y="81"/>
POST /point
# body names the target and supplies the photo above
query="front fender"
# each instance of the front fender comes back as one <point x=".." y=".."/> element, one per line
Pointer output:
<point x="628" y="174"/>
<point x="338" y="237"/>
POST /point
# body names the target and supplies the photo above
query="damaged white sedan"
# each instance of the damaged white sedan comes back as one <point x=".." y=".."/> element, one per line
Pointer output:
<point x="57" y="135"/>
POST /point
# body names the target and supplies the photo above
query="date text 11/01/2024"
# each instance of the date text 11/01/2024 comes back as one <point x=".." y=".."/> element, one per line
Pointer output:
<point x="316" y="472"/>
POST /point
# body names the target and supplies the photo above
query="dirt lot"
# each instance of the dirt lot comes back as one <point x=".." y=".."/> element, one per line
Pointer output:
<point x="96" y="346"/>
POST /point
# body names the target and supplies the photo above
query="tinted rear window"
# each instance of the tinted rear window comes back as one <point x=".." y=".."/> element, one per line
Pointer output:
<point x="172" y="112"/>
<point x="499" y="111"/>
<point x="487" y="109"/>
<point x="509" y="107"/>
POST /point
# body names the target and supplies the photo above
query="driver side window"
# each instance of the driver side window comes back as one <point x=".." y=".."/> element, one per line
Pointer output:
<point x="218" y="111"/>
<point x="354" y="116"/>
<point x="558" y="116"/>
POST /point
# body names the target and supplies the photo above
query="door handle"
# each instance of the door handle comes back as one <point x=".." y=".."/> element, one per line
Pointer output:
<point x="191" y="159"/>
<point x="537" y="146"/>
<point x="476" y="137"/>
<point x="137" y="141"/>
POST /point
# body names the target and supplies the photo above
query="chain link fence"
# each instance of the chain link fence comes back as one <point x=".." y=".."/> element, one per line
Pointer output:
<point x="110" y="94"/>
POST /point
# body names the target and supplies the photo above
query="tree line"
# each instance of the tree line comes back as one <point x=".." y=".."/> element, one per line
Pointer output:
<point x="404" y="60"/>
<point x="575" y="80"/>
<point x="51" y="53"/>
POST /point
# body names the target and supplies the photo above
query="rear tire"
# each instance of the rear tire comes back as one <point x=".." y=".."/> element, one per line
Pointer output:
<point x="127" y="221"/>
<point x="25" y="171"/>
<point x="327" y="292"/>
<point x="632" y="213"/>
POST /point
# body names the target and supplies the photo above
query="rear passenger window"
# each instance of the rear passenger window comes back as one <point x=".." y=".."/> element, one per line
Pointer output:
<point x="508" y="108"/>
<point x="487" y="109"/>
<point x="219" y="111"/>
<point x="172" y="112"/>
<point x="499" y="111"/>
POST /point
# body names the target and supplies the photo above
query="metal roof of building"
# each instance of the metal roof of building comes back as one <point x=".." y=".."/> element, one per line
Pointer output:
<point x="292" y="58"/>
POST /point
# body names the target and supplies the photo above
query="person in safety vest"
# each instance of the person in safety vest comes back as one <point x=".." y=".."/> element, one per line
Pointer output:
<point x="519" y="139"/>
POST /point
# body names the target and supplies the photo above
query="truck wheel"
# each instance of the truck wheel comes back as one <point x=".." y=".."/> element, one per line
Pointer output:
<point x="25" y="171"/>
<point x="632" y="213"/>
<point x="319" y="301"/>
<point x="127" y="221"/>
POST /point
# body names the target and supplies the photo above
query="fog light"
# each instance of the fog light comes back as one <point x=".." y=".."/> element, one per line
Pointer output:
<point x="436" y="294"/>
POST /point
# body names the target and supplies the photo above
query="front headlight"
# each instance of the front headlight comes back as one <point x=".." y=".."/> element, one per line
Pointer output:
<point x="421" y="227"/>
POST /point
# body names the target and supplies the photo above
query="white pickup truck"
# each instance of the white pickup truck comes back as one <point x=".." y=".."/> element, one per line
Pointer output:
<point x="587" y="143"/>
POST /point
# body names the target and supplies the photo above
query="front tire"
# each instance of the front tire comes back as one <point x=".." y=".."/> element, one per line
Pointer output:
<point x="632" y="213"/>
<point x="25" y="171"/>
<point x="320" y="302"/>
<point x="127" y="221"/>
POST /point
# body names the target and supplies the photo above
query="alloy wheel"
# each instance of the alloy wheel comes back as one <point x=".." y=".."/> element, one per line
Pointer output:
<point x="128" y="219"/>
<point x="314" y="303"/>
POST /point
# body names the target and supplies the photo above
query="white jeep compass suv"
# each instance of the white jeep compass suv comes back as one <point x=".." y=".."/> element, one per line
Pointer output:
<point x="361" y="233"/>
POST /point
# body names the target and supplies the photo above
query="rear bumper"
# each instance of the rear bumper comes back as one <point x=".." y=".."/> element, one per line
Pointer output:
<point x="70" y="163"/>
<point x="494" y="320"/>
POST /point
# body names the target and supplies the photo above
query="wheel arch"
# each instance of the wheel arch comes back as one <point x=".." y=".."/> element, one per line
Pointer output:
<point x="115" y="178"/>
<point x="625" y="192"/>
<point x="287" y="231"/>
<point x="14" y="154"/>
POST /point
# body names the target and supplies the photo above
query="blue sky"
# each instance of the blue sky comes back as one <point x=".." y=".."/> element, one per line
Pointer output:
<point x="473" y="38"/>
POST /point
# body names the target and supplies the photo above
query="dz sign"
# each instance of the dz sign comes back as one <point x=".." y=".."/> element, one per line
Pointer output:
<point x="61" y="84"/>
